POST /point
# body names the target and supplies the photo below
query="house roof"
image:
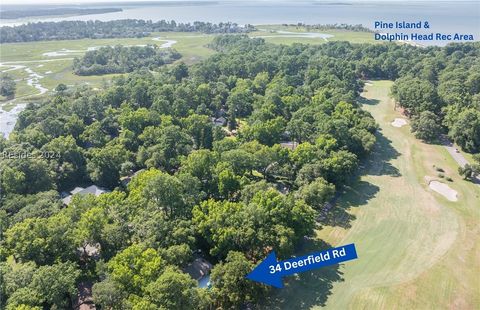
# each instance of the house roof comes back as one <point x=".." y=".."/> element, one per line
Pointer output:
<point x="92" y="189"/>
<point x="66" y="200"/>
<point x="219" y="121"/>
<point x="76" y="190"/>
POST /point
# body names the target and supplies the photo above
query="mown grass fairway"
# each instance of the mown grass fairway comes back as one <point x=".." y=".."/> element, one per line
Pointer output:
<point x="416" y="249"/>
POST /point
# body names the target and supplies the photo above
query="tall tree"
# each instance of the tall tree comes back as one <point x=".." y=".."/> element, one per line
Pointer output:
<point x="230" y="288"/>
<point x="7" y="85"/>
<point x="175" y="290"/>
<point x="426" y="126"/>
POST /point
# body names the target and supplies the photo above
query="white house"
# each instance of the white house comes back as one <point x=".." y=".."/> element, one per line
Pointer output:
<point x="92" y="189"/>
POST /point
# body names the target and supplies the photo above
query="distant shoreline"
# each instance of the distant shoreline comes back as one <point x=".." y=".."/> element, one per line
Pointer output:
<point x="17" y="14"/>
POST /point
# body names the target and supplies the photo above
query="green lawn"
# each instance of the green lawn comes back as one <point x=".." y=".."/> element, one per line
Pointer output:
<point x="416" y="249"/>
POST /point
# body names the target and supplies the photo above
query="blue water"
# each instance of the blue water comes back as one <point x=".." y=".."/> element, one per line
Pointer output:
<point x="204" y="282"/>
<point x="447" y="17"/>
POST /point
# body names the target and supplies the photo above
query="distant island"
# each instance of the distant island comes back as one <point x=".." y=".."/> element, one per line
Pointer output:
<point x="161" y="3"/>
<point x="14" y="14"/>
<point x="332" y="3"/>
<point x="126" y="28"/>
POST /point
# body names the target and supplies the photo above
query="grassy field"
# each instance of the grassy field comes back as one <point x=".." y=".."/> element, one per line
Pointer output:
<point x="189" y="44"/>
<point x="338" y="35"/>
<point x="57" y="68"/>
<point x="416" y="249"/>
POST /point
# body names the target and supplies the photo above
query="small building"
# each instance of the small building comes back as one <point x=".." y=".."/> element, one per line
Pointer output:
<point x="220" y="121"/>
<point x="292" y="145"/>
<point x="199" y="270"/>
<point x="92" y="189"/>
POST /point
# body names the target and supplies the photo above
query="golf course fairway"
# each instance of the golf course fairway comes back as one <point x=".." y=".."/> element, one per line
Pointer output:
<point x="416" y="249"/>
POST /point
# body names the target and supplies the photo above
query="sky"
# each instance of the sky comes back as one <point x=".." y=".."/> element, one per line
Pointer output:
<point x="92" y="1"/>
<point x="82" y="1"/>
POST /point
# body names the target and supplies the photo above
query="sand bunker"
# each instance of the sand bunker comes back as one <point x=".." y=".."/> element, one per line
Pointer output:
<point x="399" y="122"/>
<point x="444" y="189"/>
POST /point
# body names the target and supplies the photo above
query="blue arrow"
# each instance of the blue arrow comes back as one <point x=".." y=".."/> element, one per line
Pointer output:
<point x="270" y="271"/>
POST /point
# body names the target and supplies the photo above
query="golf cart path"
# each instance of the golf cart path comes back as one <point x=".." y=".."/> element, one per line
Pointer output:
<point x="457" y="156"/>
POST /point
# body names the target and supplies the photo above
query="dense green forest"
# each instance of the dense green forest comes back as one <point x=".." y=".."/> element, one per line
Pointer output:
<point x="442" y="94"/>
<point x="125" y="28"/>
<point x="349" y="27"/>
<point x="233" y="192"/>
<point x="122" y="59"/>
